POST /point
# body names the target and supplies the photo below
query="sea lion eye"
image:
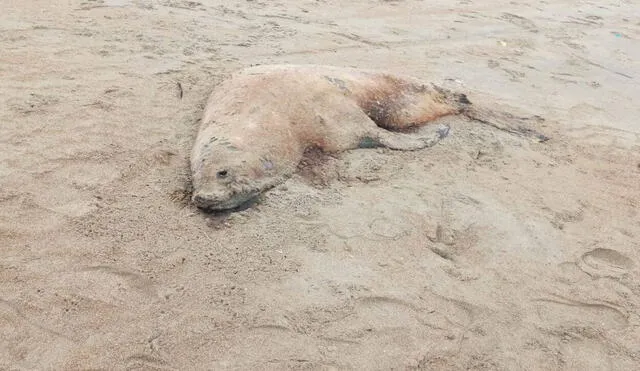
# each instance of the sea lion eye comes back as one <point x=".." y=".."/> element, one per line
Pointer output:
<point x="221" y="174"/>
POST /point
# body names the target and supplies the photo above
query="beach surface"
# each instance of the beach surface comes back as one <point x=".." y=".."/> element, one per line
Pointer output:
<point x="488" y="251"/>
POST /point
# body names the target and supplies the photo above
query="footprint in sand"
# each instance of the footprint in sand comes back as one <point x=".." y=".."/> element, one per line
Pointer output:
<point x="519" y="21"/>
<point x="603" y="262"/>
<point x="558" y="313"/>
<point x="387" y="316"/>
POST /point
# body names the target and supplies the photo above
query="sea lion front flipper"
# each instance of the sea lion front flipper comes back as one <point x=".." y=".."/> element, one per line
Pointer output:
<point x="401" y="141"/>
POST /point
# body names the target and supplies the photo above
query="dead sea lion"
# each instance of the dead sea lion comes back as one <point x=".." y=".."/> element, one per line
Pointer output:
<point x="258" y="123"/>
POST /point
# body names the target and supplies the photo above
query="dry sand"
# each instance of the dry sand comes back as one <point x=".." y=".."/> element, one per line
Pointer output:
<point x="487" y="251"/>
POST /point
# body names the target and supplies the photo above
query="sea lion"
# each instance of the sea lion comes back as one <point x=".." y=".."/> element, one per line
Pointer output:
<point x="258" y="123"/>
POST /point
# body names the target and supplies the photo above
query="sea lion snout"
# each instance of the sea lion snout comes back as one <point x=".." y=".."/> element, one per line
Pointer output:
<point x="209" y="200"/>
<point x="221" y="200"/>
<point x="201" y="200"/>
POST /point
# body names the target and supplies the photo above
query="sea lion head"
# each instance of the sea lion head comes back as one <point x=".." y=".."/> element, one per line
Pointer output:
<point x="225" y="175"/>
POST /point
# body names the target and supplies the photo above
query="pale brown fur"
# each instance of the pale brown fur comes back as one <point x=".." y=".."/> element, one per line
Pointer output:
<point x="258" y="123"/>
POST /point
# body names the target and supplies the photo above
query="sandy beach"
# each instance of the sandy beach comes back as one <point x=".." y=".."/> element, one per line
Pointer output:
<point x="488" y="251"/>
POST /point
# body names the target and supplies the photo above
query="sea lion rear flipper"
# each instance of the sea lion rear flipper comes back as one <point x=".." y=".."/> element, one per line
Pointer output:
<point x="507" y="122"/>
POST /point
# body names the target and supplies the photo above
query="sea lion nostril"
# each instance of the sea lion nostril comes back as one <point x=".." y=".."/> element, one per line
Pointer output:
<point x="221" y="174"/>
